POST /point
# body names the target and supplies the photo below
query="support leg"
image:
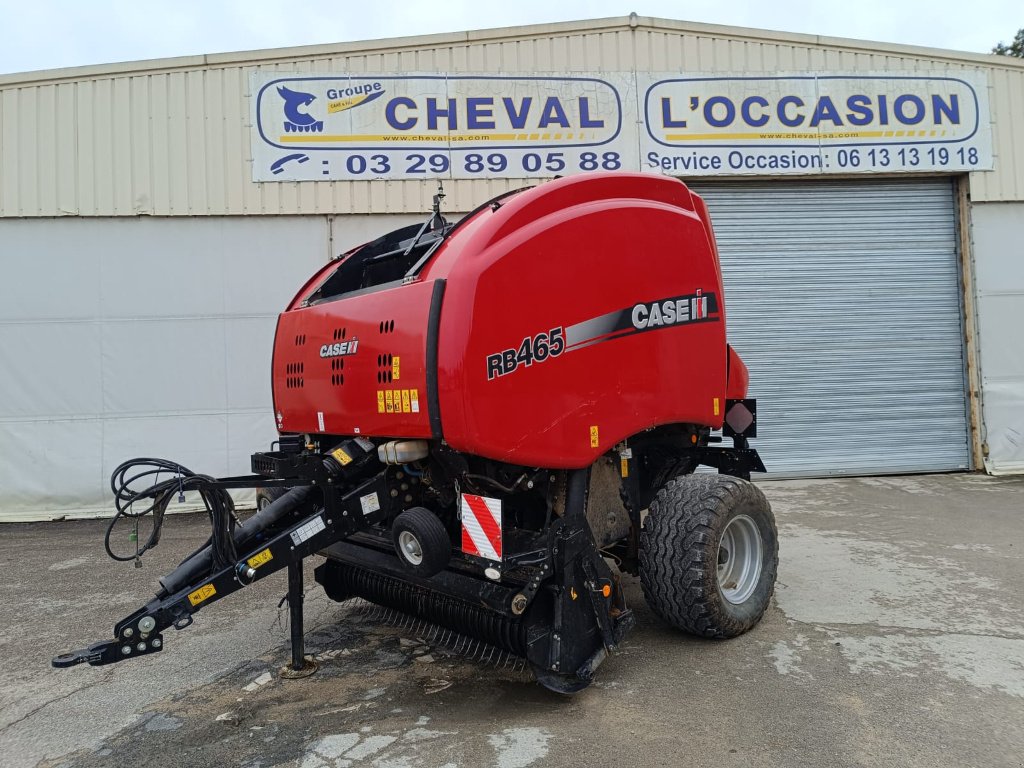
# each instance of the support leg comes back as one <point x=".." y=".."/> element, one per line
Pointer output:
<point x="301" y="665"/>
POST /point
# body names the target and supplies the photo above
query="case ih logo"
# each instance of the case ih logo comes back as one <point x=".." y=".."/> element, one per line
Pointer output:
<point x="340" y="348"/>
<point x="681" y="309"/>
<point x="697" y="307"/>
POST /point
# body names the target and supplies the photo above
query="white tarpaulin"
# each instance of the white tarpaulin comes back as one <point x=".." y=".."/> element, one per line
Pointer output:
<point x="138" y="337"/>
<point x="999" y="283"/>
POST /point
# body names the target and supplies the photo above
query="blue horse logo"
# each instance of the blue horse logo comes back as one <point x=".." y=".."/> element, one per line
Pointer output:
<point x="297" y="121"/>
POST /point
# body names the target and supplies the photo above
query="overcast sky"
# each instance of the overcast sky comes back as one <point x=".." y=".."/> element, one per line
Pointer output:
<point x="43" y="34"/>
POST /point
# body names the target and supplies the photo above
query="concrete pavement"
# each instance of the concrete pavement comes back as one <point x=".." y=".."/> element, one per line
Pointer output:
<point x="896" y="638"/>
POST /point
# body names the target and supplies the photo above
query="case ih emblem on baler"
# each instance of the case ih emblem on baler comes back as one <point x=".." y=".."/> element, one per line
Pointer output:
<point x="507" y="507"/>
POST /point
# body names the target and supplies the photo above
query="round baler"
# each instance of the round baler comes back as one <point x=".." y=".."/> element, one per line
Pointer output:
<point x="485" y="424"/>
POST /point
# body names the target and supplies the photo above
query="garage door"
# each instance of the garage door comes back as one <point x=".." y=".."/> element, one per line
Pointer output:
<point x="844" y="300"/>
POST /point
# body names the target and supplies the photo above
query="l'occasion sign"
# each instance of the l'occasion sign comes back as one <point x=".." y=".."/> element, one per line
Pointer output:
<point x="814" y="124"/>
<point x="331" y="127"/>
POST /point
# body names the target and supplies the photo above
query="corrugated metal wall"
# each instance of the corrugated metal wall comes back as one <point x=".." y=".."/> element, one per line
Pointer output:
<point x="172" y="138"/>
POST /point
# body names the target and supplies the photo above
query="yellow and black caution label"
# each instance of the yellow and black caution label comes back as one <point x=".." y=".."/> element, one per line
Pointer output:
<point x="202" y="594"/>
<point x="260" y="558"/>
<point x="396" y="401"/>
<point x="342" y="457"/>
<point x="595" y="438"/>
<point x="395" y="368"/>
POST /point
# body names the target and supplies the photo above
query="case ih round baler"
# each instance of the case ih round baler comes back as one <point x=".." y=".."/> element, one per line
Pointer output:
<point x="475" y="419"/>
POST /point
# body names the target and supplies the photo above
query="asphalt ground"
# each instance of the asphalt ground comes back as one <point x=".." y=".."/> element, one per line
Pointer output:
<point x="896" y="638"/>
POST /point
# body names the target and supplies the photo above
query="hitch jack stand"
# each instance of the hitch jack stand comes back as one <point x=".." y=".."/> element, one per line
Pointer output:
<point x="301" y="665"/>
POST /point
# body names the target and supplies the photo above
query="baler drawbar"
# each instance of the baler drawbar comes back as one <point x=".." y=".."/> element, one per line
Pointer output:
<point x="485" y="424"/>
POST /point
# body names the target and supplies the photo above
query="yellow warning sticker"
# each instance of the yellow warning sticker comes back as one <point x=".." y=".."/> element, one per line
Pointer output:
<point x="342" y="457"/>
<point x="624" y="466"/>
<point x="260" y="558"/>
<point x="380" y="401"/>
<point x="414" y="400"/>
<point x="395" y="369"/>
<point x="716" y="406"/>
<point x="406" y="406"/>
<point x="202" y="594"/>
<point x="595" y="439"/>
<point x="389" y="401"/>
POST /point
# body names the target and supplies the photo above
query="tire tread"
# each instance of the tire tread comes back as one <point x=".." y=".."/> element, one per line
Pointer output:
<point x="679" y="553"/>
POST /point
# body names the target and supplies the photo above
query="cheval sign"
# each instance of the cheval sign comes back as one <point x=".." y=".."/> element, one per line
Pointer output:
<point x="436" y="125"/>
<point x="415" y="126"/>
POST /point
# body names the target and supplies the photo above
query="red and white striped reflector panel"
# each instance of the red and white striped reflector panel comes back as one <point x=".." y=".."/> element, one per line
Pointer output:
<point x="481" y="526"/>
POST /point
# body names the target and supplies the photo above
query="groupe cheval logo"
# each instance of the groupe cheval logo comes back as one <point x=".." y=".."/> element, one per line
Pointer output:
<point x="296" y="103"/>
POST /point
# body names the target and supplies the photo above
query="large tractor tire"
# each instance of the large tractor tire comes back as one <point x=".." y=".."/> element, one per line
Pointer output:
<point x="709" y="553"/>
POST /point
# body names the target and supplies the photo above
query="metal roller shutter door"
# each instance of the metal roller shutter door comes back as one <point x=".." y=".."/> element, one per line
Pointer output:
<point x="844" y="300"/>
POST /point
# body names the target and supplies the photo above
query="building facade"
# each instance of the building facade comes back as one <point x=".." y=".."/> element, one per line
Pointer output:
<point x="155" y="216"/>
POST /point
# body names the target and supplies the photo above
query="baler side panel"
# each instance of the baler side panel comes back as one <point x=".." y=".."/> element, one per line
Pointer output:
<point x="582" y="272"/>
<point x="378" y="387"/>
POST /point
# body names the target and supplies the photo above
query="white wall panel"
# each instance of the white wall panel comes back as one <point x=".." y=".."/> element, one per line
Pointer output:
<point x="148" y="336"/>
<point x="62" y="269"/>
<point x="248" y="347"/>
<point x="51" y="466"/>
<point x="198" y="441"/>
<point x="50" y="369"/>
<point x="997" y="231"/>
<point x="163" y="366"/>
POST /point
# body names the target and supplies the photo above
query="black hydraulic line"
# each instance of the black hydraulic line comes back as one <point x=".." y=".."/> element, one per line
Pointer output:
<point x="200" y="564"/>
<point x="133" y="499"/>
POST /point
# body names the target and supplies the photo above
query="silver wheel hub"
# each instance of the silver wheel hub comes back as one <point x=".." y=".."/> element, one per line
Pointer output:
<point x="740" y="559"/>
<point x="411" y="548"/>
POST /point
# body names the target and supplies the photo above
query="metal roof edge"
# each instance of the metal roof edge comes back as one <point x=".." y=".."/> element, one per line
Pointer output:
<point x="269" y="55"/>
<point x="866" y="46"/>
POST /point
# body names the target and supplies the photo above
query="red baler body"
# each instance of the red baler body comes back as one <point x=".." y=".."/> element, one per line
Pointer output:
<point x="565" y="319"/>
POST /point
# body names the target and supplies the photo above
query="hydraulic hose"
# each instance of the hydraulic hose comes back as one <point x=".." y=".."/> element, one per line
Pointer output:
<point x="199" y="565"/>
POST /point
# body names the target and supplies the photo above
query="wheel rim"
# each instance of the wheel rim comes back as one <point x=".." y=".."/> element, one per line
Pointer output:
<point x="410" y="547"/>
<point x="262" y="502"/>
<point x="739" y="559"/>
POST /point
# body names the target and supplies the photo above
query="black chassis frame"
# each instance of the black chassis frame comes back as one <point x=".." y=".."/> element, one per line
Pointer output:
<point x="304" y="521"/>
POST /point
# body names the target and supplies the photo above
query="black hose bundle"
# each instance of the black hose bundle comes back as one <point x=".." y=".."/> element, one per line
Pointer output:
<point x="134" y="499"/>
